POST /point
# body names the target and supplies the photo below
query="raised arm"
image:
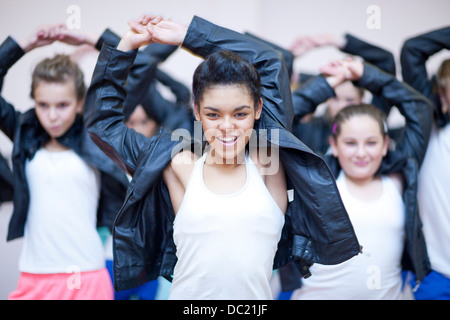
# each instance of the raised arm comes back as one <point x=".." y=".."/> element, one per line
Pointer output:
<point x="413" y="57"/>
<point x="10" y="52"/>
<point x="347" y="43"/>
<point x="105" y="98"/>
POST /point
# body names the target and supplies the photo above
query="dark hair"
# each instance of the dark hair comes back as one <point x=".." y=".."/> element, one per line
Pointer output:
<point x="356" y="110"/>
<point x="59" y="69"/>
<point x="225" y="68"/>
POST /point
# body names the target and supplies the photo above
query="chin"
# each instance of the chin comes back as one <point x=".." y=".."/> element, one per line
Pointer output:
<point x="229" y="156"/>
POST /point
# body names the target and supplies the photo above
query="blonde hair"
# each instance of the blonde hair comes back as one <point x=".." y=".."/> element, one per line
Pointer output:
<point x="443" y="75"/>
<point x="59" y="69"/>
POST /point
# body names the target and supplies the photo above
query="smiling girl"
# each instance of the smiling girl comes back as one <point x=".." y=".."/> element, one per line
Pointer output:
<point x="212" y="219"/>
<point x="379" y="190"/>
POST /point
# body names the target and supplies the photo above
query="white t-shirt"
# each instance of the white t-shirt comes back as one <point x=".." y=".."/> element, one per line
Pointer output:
<point x="376" y="273"/>
<point x="226" y="243"/>
<point x="60" y="231"/>
<point x="434" y="199"/>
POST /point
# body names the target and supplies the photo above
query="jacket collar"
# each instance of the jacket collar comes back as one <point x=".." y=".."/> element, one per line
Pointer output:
<point x="34" y="136"/>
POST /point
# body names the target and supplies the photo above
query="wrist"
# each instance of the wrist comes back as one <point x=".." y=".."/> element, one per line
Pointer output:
<point x="91" y="39"/>
<point x="340" y="42"/>
<point x="26" y="45"/>
<point x="125" y="45"/>
<point x="334" y="81"/>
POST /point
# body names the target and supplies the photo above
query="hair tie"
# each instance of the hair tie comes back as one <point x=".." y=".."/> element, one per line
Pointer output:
<point x="334" y="128"/>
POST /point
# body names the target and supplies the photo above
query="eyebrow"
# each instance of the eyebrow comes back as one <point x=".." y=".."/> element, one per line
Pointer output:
<point x="236" y="109"/>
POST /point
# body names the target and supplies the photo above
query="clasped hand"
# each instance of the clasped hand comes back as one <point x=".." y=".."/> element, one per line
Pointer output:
<point x="152" y="29"/>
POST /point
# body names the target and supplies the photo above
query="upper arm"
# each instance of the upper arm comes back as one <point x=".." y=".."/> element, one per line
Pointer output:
<point x="103" y="109"/>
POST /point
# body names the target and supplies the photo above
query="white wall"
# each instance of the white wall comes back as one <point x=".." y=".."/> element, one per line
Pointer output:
<point x="279" y="21"/>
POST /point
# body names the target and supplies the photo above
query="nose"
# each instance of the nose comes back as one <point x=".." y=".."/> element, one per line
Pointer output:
<point x="226" y="123"/>
<point x="360" y="151"/>
<point x="52" y="114"/>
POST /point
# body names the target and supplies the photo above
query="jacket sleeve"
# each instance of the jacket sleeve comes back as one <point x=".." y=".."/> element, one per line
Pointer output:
<point x="103" y="108"/>
<point x="414" y="55"/>
<point x="204" y="38"/>
<point x="309" y="95"/>
<point x="373" y="54"/>
<point x="414" y="107"/>
<point x="287" y="55"/>
<point x="10" y="53"/>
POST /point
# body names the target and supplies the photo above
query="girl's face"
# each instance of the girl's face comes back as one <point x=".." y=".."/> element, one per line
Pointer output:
<point x="360" y="147"/>
<point x="346" y="94"/>
<point x="56" y="106"/>
<point x="227" y="113"/>
<point x="141" y="122"/>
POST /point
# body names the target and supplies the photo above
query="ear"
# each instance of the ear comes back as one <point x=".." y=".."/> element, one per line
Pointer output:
<point x="333" y="146"/>
<point x="386" y="145"/>
<point x="258" y="110"/>
<point x="196" y="112"/>
<point x="80" y="106"/>
<point x="444" y="103"/>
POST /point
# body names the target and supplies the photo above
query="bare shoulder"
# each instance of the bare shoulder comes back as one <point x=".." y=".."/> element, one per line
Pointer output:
<point x="180" y="167"/>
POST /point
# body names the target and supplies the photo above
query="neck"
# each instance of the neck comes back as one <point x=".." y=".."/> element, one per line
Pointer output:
<point x="54" y="146"/>
<point x="215" y="160"/>
<point x="363" y="182"/>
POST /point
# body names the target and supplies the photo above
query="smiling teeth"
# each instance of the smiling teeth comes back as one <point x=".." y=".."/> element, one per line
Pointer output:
<point x="227" y="139"/>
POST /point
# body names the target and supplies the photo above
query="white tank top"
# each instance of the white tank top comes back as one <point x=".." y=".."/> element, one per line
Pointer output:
<point x="60" y="231"/>
<point x="225" y="243"/>
<point x="376" y="273"/>
<point x="434" y="199"/>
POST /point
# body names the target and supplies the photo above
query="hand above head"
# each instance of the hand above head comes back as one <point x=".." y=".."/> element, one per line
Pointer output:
<point x="162" y="31"/>
<point x="75" y="37"/>
<point x="304" y="43"/>
<point x="44" y="35"/>
<point x="136" y="37"/>
<point x="339" y="71"/>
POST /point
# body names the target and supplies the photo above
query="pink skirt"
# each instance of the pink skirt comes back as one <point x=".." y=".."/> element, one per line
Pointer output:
<point x="91" y="285"/>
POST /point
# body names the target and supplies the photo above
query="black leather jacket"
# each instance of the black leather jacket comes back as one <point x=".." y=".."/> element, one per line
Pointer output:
<point x="6" y="176"/>
<point x="28" y="136"/>
<point x="317" y="227"/>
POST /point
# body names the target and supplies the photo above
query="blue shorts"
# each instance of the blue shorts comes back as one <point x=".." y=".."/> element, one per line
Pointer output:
<point x="435" y="286"/>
